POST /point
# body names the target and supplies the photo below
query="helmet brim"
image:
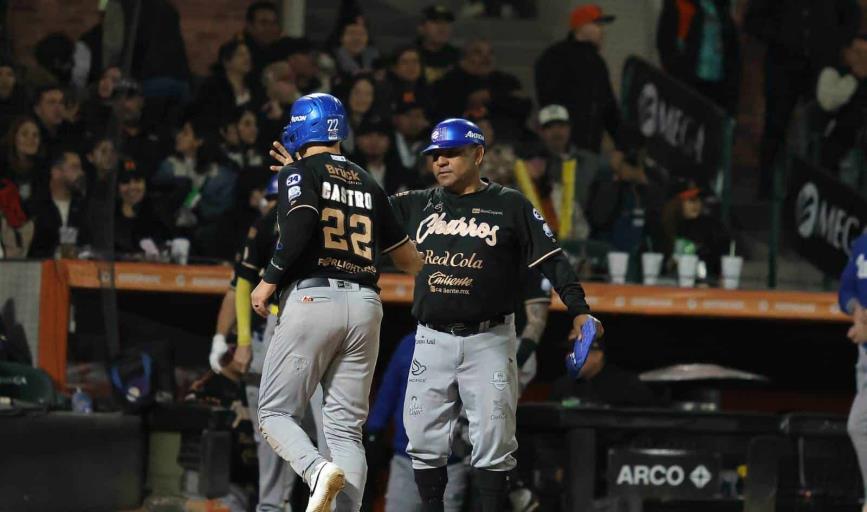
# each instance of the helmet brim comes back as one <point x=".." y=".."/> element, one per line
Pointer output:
<point x="448" y="144"/>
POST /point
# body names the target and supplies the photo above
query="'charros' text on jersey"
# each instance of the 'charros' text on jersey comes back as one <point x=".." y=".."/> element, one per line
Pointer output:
<point x="436" y="224"/>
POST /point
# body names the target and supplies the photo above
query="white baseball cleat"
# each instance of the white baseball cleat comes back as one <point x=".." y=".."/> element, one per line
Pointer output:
<point x="328" y="481"/>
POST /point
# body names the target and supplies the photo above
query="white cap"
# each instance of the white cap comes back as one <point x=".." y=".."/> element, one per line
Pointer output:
<point x="553" y="113"/>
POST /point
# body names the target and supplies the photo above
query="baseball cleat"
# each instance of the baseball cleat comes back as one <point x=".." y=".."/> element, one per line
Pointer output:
<point x="329" y="481"/>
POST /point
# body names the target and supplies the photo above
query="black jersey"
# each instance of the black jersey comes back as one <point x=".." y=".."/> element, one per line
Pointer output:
<point x="253" y="256"/>
<point x="356" y="225"/>
<point x="476" y="249"/>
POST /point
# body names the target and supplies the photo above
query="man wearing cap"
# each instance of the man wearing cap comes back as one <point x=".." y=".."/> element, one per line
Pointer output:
<point x="553" y="177"/>
<point x="373" y="153"/>
<point x="572" y="73"/>
<point x="475" y="236"/>
<point x="434" y="32"/>
<point x="135" y="140"/>
<point x="410" y="125"/>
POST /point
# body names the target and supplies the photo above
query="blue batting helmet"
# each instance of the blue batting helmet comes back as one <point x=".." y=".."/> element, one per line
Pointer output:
<point x="454" y="133"/>
<point x="273" y="184"/>
<point x="315" y="118"/>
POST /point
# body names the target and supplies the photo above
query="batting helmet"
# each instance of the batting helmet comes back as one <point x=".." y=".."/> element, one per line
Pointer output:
<point x="271" y="189"/>
<point x="315" y="118"/>
<point x="454" y="133"/>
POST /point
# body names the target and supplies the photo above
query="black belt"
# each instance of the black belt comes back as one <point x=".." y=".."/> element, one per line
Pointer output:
<point x="464" y="329"/>
<point x="324" y="282"/>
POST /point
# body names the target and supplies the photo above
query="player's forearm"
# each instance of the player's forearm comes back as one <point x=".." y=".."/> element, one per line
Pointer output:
<point x="537" y="319"/>
<point x="295" y="229"/>
<point x="557" y="269"/>
<point x="226" y="316"/>
<point x="243" y="288"/>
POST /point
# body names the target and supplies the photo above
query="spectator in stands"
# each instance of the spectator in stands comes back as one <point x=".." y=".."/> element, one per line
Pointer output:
<point x="844" y="99"/>
<point x="54" y="61"/>
<point x="16" y="230"/>
<point x="23" y="159"/>
<point x="360" y="101"/>
<point x="59" y="215"/>
<point x="802" y="37"/>
<point x="281" y="91"/>
<point x="698" y="44"/>
<point x="434" y="32"/>
<point x="411" y="129"/>
<point x="261" y="31"/>
<point x="134" y="219"/>
<point x="475" y="84"/>
<point x="685" y="222"/>
<point x="572" y="73"/>
<point x="852" y="300"/>
<point x="136" y="140"/>
<point x="405" y="82"/>
<point x="98" y="104"/>
<point x="603" y="383"/>
<point x="355" y="54"/>
<point x="499" y="162"/>
<point x="48" y="109"/>
<point x="373" y="145"/>
<point x="100" y="161"/>
<point x="13" y="100"/>
<point x="309" y="78"/>
<point x="230" y="84"/>
<point x="551" y="178"/>
<point x="196" y="188"/>
<point x="624" y="202"/>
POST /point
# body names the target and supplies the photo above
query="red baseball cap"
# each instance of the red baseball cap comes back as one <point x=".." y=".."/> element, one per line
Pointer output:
<point x="589" y="13"/>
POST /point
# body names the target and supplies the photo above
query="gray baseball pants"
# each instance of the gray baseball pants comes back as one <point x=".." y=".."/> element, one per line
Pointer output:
<point x="276" y="478"/>
<point x="328" y="336"/>
<point x="477" y="371"/>
<point x="857" y="424"/>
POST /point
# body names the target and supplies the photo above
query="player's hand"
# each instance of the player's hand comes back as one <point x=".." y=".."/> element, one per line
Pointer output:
<point x="280" y="154"/>
<point x="259" y="297"/>
<point x="241" y="359"/>
<point x="580" y="320"/>
<point x="218" y="348"/>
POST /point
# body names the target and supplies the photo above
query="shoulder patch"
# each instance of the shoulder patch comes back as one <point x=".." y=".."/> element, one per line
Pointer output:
<point x="293" y="179"/>
<point x="294" y="192"/>
<point x="538" y="215"/>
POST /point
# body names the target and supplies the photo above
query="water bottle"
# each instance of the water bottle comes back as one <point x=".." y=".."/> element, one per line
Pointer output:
<point x="81" y="402"/>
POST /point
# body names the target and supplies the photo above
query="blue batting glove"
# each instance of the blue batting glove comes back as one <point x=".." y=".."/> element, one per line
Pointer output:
<point x="580" y="348"/>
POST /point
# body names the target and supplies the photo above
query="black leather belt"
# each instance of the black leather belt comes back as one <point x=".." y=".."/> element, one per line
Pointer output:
<point x="324" y="282"/>
<point x="464" y="329"/>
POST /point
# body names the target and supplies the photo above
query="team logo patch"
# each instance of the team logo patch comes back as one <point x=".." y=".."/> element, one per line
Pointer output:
<point x="500" y="379"/>
<point x="294" y="192"/>
<point x="306" y="299"/>
<point x="414" y="407"/>
<point x="435" y="136"/>
<point x="537" y="215"/>
<point x="293" y="179"/>
<point x="499" y="410"/>
<point x="547" y="229"/>
<point x="418" y="368"/>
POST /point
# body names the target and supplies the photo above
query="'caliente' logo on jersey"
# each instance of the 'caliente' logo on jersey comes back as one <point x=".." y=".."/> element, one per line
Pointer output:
<point x="435" y="224"/>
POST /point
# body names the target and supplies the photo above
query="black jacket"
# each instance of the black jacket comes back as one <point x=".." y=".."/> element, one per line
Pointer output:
<point x="804" y="29"/>
<point x="46" y="233"/>
<point x="682" y="62"/>
<point x="573" y="74"/>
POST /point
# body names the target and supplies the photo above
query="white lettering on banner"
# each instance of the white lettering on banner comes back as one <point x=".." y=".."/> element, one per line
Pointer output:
<point x="138" y="278"/>
<point x="861" y="263"/>
<point x="457" y="259"/>
<point x="651" y="302"/>
<point x="357" y="198"/>
<point x="671" y="123"/>
<point x="656" y="475"/>
<point x="817" y="218"/>
<point x="435" y="224"/>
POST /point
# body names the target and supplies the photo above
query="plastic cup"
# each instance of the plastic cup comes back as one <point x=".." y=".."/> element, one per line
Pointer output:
<point x="617" y="265"/>
<point x="180" y="250"/>
<point x="651" y="263"/>
<point x="731" y="271"/>
<point x="687" y="265"/>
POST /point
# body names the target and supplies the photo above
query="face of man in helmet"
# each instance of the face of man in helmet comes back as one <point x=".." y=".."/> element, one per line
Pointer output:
<point x="457" y="169"/>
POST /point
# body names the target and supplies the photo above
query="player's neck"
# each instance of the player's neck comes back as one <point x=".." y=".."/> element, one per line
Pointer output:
<point x="318" y="150"/>
<point x="474" y="185"/>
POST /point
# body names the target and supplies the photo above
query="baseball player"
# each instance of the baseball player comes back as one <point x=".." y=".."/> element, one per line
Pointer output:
<point x="334" y="224"/>
<point x="476" y="237"/>
<point x="853" y="300"/>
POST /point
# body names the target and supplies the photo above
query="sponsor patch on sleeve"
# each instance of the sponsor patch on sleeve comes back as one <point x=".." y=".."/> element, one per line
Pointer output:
<point x="537" y="215"/>
<point x="294" y="192"/>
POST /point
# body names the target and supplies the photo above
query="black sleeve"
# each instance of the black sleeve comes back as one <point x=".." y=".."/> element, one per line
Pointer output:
<point x="666" y="37"/>
<point x="297" y="216"/>
<point x="391" y="234"/>
<point x="400" y="207"/>
<point x="558" y="270"/>
<point x="534" y="234"/>
<point x="549" y="75"/>
<point x="611" y="115"/>
<point x="536" y="287"/>
<point x="251" y="260"/>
